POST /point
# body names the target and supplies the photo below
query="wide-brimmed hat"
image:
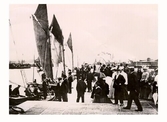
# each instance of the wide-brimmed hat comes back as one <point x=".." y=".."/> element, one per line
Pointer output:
<point x="100" y="74"/>
<point x="113" y="68"/>
<point x="145" y="68"/>
<point x="121" y="68"/>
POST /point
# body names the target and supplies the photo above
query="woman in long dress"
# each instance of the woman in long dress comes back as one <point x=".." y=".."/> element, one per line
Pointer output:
<point x="111" y="92"/>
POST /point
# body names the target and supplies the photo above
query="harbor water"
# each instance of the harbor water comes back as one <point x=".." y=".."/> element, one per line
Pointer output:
<point x="17" y="78"/>
<point x="21" y="76"/>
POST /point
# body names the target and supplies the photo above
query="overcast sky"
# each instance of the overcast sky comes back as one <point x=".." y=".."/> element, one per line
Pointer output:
<point x="125" y="31"/>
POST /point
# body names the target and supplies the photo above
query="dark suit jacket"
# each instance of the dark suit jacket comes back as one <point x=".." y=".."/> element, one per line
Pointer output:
<point x="70" y="79"/>
<point x="133" y="84"/>
<point x="105" y="90"/>
<point x="90" y="76"/>
<point x="81" y="86"/>
<point x="119" y="81"/>
<point x="63" y="88"/>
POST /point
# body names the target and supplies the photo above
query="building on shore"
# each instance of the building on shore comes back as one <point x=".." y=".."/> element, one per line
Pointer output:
<point x="151" y="64"/>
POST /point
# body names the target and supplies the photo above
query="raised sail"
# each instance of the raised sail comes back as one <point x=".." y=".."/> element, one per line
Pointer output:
<point x="58" y="37"/>
<point x="40" y="21"/>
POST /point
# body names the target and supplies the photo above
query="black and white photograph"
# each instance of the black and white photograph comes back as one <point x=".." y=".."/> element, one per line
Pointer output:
<point x="83" y="59"/>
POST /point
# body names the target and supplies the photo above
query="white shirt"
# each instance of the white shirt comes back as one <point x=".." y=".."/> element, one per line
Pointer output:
<point x="113" y="75"/>
<point x="156" y="79"/>
<point x="145" y="76"/>
<point x="125" y="76"/>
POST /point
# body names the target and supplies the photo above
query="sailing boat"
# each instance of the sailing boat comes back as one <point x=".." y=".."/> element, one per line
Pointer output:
<point x="42" y="35"/>
<point x="18" y="99"/>
<point x="43" y="41"/>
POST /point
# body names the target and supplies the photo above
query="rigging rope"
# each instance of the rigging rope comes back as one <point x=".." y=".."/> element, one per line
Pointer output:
<point x="23" y="78"/>
<point x="15" y="48"/>
<point x="13" y="39"/>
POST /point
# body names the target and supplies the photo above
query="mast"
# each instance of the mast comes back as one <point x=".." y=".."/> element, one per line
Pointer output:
<point x="50" y="56"/>
<point x="72" y="62"/>
<point x="64" y="66"/>
<point x="33" y="70"/>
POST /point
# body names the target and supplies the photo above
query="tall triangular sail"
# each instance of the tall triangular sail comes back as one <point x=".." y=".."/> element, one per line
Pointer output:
<point x="57" y="32"/>
<point x="57" y="52"/>
<point x="41" y="29"/>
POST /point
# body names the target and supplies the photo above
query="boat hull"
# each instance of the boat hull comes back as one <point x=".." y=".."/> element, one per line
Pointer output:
<point x="19" y="100"/>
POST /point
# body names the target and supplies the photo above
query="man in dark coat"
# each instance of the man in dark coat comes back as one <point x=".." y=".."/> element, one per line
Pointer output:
<point x="119" y="82"/>
<point x="81" y="87"/>
<point x="44" y="88"/>
<point x="57" y="88"/>
<point x="107" y="71"/>
<point x="70" y="80"/>
<point x="63" y="89"/>
<point x="90" y="78"/>
<point x="77" y="73"/>
<point x="133" y="87"/>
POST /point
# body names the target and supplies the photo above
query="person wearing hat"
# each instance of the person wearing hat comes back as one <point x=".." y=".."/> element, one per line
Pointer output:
<point x="155" y="83"/>
<point x="143" y="83"/>
<point x="119" y="82"/>
<point x="63" y="89"/>
<point x="121" y="68"/>
<point x="57" y="89"/>
<point x="81" y="88"/>
<point x="104" y="92"/>
<point x="70" y="80"/>
<point x="44" y="88"/>
<point x="112" y="90"/>
<point x="133" y="88"/>
<point x="89" y="80"/>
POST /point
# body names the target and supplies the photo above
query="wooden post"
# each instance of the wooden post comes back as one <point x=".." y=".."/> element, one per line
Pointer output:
<point x="72" y="61"/>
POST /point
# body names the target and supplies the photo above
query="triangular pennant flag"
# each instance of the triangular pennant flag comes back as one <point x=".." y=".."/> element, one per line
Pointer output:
<point x="69" y="42"/>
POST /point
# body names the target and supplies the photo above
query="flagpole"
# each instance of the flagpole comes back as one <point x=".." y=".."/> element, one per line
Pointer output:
<point x="69" y="42"/>
<point x="72" y="61"/>
<point x="57" y="71"/>
<point x="63" y="59"/>
<point x="50" y="55"/>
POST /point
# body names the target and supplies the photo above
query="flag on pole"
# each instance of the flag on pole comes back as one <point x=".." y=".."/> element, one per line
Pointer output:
<point x="69" y="43"/>
<point x="56" y="31"/>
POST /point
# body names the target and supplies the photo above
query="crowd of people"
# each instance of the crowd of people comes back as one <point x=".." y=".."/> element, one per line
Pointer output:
<point x="127" y="83"/>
